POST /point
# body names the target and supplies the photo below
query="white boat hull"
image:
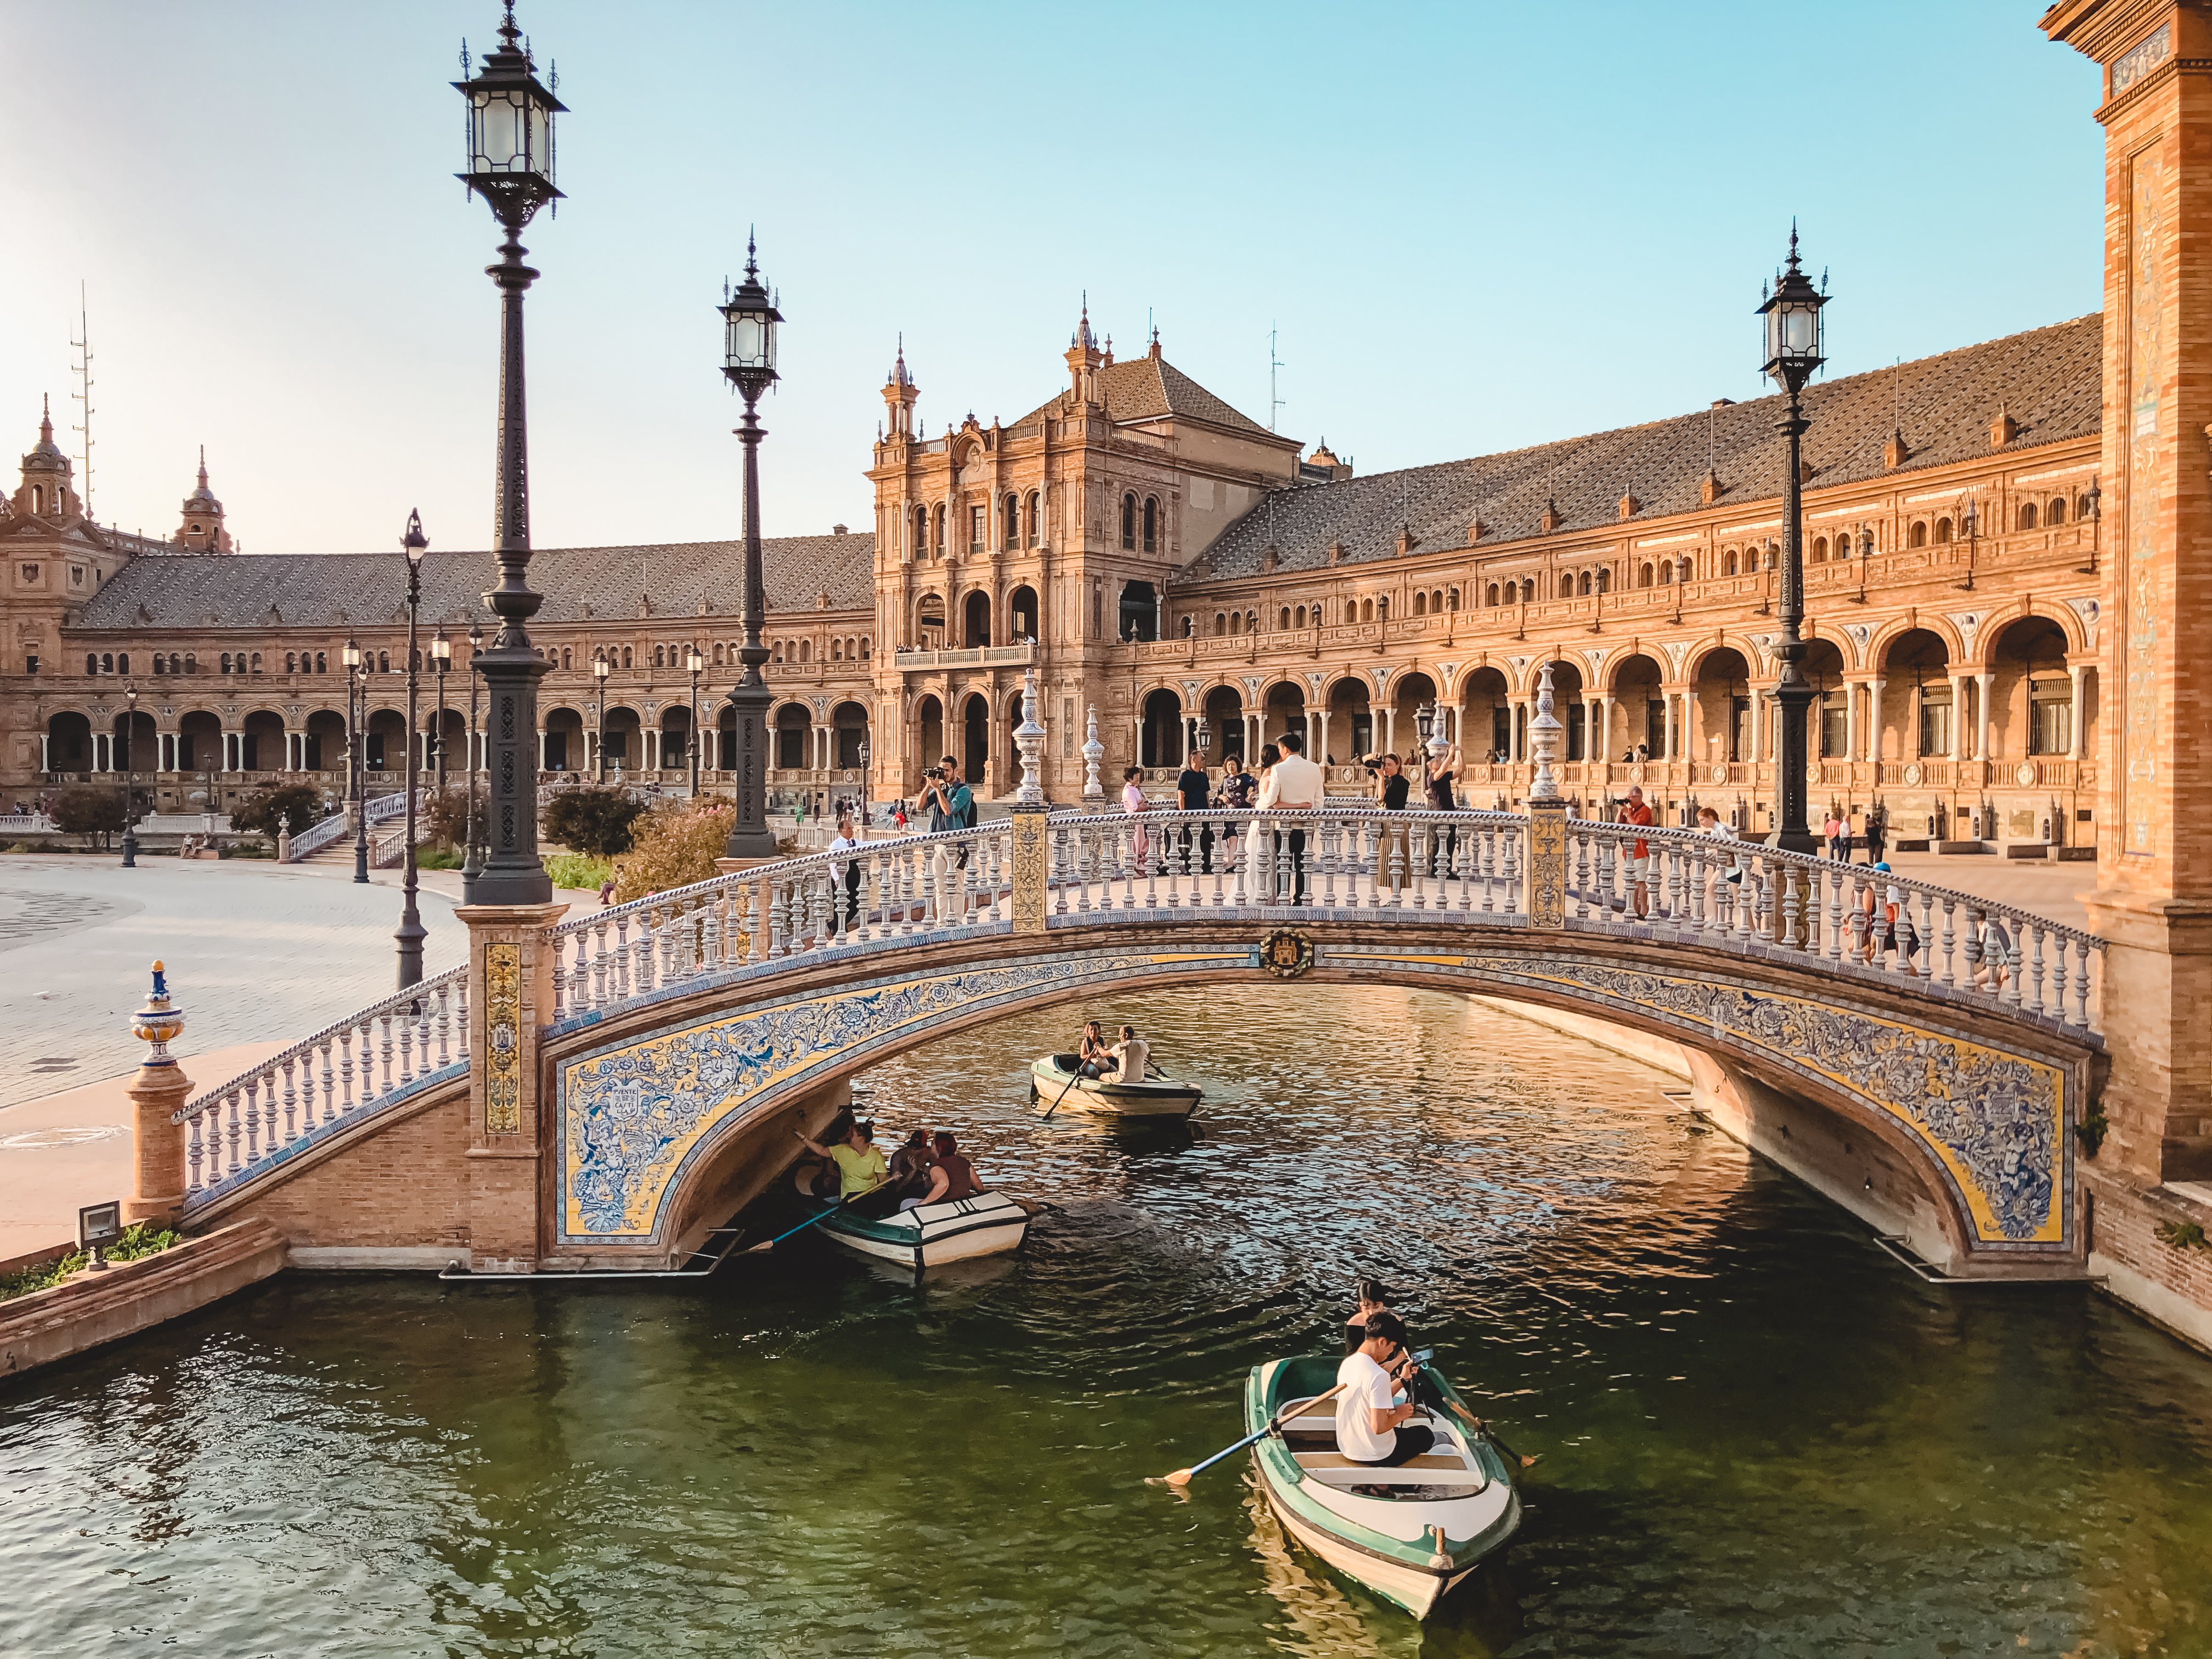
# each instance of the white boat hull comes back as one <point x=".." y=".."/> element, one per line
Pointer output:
<point x="936" y="1234"/>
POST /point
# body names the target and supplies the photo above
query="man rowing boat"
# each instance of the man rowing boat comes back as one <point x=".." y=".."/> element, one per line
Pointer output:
<point x="1371" y="1426"/>
<point x="1132" y="1055"/>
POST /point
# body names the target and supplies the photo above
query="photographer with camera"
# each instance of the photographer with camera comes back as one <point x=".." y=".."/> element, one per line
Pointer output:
<point x="951" y="803"/>
<point x="1393" y="865"/>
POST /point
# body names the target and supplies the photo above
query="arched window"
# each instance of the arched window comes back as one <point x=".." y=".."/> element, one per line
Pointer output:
<point x="1604" y="581"/>
<point x="1383" y="609"/>
<point x="863" y="647"/>
<point x="1420" y="604"/>
<point x="1012" y="525"/>
<point x="1528" y="590"/>
<point x="1819" y="550"/>
<point x="157" y="662"/>
<point x="1917" y="536"/>
<point x="191" y="662"/>
<point x="1582" y="583"/>
<point x="291" y="663"/>
<point x="2027" y="515"/>
<point x="1490" y="596"/>
<point x="1728" y="562"/>
<point x="1220" y="625"/>
<point x="1251" y="621"/>
<point x="1437" y="601"/>
<point x="1236" y="622"/>
<point x="1567" y="585"/>
<point x="938" y="546"/>
<point x="1367" y="611"/>
<point x="322" y="663"/>
<point x="2057" y="515"/>
<point x="807" y="651"/>
<point x="92" y="663"/>
<point x="836" y="652"/>
<point x="1189" y="625"/>
<point x="1036" y="517"/>
<point x="1942" y="531"/>
<point x="920" y="532"/>
<point x="1129" y="522"/>
<point x="1300" y="617"/>
<point x="657" y="662"/>
<point x="1666" y="573"/>
<point x="718" y="656"/>
<point x="1454" y="597"/>
<point x="1151" y="523"/>
<point x="1681" y="573"/>
<point x="1644" y="576"/>
<point x="625" y="661"/>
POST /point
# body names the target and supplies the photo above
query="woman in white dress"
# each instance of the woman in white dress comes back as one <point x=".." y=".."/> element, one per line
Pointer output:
<point x="1259" y="845"/>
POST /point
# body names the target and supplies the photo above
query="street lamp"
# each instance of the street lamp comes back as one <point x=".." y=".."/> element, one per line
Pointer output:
<point x="441" y="658"/>
<point x="600" y="669"/>
<point x="356" y="669"/>
<point x="131" y="777"/>
<point x="414" y="544"/>
<point x="510" y="165"/>
<point x="694" y="659"/>
<point x="1791" y="319"/>
<point x="749" y="323"/>
<point x="471" y="863"/>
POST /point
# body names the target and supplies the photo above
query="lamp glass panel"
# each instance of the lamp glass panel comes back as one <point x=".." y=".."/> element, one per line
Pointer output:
<point x="746" y="344"/>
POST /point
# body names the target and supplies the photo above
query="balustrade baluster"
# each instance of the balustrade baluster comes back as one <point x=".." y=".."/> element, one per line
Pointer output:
<point x="193" y="1152"/>
<point x="385" y="1034"/>
<point x="581" y="999"/>
<point x="2009" y="967"/>
<point x="1924" y="937"/>
<point x="235" y="1165"/>
<point x="618" y="965"/>
<point x="291" y="1102"/>
<point x="329" y="1083"/>
<point x="406" y="1046"/>
<point x="670" y="930"/>
<point x="2080" y="981"/>
<point x="1976" y="947"/>
<point x="643" y="949"/>
<point x="2035" y="967"/>
<point x="345" y="1069"/>
<point x="461" y="1017"/>
<point x="422" y="1036"/>
<point x="253" y="1118"/>
<point x="444" y="1032"/>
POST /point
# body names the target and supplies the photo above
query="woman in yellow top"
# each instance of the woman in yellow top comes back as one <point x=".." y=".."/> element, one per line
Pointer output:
<point x="860" y="1167"/>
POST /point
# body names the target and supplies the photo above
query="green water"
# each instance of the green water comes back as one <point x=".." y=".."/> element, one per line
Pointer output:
<point x="1761" y="1436"/>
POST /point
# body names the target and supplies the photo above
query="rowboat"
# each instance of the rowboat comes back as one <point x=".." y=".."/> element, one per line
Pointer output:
<point x="1409" y="1534"/>
<point x="930" y="1235"/>
<point x="1059" y="1078"/>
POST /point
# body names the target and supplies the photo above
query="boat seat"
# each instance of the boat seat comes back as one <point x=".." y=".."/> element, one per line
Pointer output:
<point x="1330" y="1460"/>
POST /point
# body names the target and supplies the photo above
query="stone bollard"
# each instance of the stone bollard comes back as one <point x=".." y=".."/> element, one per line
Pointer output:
<point x="284" y="838"/>
<point x="157" y="1192"/>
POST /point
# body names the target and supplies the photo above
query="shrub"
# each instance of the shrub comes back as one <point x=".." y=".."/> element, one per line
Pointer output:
<point x="265" y="811"/>
<point x="431" y="856"/>
<point x="676" y="845"/>
<point x="445" y="818"/>
<point x="136" y="1241"/>
<point x="574" y="870"/>
<point x="600" y="822"/>
<point x="92" y="812"/>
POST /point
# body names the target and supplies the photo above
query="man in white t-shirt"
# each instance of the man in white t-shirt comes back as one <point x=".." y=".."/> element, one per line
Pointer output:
<point x="1132" y="1055"/>
<point x="1368" y="1414"/>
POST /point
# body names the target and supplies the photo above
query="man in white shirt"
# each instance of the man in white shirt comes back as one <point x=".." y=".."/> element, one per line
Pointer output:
<point x="847" y="843"/>
<point x="1294" y="785"/>
<point x="1133" y="1056"/>
<point x="1368" y="1414"/>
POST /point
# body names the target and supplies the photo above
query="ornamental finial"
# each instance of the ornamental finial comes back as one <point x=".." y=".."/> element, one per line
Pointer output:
<point x="158" y="1022"/>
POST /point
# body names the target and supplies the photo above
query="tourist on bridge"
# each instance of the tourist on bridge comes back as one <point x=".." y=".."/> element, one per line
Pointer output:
<point x="951" y="1177"/>
<point x="1437" y="774"/>
<point x="1095" y="1055"/>
<point x="951" y="803"/>
<point x="846" y="842"/>
<point x="1877" y="833"/>
<point x="1190" y="796"/>
<point x="1236" y="784"/>
<point x="1133" y="802"/>
<point x="1371" y="1426"/>
<point x="1294" y="785"/>
<point x="1832" y="833"/>
<point x="1636" y="811"/>
<point x="860" y="1167"/>
<point x="1393" y="789"/>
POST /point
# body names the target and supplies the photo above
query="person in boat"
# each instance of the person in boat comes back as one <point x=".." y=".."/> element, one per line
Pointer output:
<point x="1371" y="1426"/>
<point x="910" y="1166"/>
<point x="1132" y="1056"/>
<point x="1374" y="1297"/>
<point x="860" y="1167"/>
<point x="951" y="1177"/>
<point x="1095" y="1057"/>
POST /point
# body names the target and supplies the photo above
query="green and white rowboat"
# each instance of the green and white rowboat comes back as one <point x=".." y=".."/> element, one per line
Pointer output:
<point x="934" y="1234"/>
<point x="1408" y="1534"/>
<point x="1058" y="1078"/>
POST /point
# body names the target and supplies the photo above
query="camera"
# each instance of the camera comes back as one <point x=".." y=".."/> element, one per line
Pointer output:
<point x="935" y="775"/>
<point x="1372" y="763"/>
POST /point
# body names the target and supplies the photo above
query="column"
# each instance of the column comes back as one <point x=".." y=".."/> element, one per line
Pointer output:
<point x="1670" y="746"/>
<point x="100" y="752"/>
<point x="46" y="758"/>
<point x="1874" y="723"/>
<point x="156" y="1091"/>
<point x="1320" y="742"/>
<point x="2075" y="746"/>
<point x="1607" y="704"/>
<point x="1390" y="730"/>
<point x="1958" y="717"/>
<point x="510" y="998"/>
<point x="541" y="762"/>
<point x="1982" y="684"/>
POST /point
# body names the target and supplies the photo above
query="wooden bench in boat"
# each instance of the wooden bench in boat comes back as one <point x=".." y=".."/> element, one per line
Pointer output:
<point x="1334" y="1460"/>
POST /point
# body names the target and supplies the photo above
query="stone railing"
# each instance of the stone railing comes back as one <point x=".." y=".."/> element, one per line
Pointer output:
<point x="25" y="824"/>
<point x="346" y="1072"/>
<point x="1715" y="889"/>
<point x="972" y="656"/>
<point x="376" y="810"/>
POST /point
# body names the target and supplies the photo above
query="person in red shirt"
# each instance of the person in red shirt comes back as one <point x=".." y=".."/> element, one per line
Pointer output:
<point x="1636" y="811"/>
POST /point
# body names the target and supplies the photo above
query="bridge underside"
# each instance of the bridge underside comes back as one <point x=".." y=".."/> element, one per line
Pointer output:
<point x="652" y="1115"/>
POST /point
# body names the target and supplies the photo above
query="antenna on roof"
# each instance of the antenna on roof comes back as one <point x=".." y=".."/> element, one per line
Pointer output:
<point x="1274" y="363"/>
<point x="83" y="395"/>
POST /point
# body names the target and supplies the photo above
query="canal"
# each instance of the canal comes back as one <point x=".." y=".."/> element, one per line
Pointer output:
<point x="1760" y="1435"/>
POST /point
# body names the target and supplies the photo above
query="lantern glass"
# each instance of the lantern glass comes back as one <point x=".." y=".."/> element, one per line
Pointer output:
<point x="511" y="132"/>
<point x="351" y="655"/>
<point x="750" y="342"/>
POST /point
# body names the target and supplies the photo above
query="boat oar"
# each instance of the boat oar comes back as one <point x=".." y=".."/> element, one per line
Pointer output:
<point x="1062" y="1095"/>
<point x="1493" y="1437"/>
<point x="1182" y="1477"/>
<point x="769" y="1244"/>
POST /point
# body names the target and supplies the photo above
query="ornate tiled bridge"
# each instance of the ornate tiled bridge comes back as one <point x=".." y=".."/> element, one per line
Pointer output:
<point x="597" y="1094"/>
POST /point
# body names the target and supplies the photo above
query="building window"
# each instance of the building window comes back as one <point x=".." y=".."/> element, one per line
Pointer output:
<point x="322" y="662"/>
<point x="256" y="662"/>
<point x="1490" y="596"/>
<point x="30" y="573"/>
<point x="978" y="524"/>
<point x="1917" y="536"/>
<point x="1237" y="622"/>
<point x="863" y="647"/>
<point x="30" y="664"/>
<point x="1835" y="723"/>
<point x="2027" y="515"/>
<point x="91" y="663"/>
<point x="1819" y="550"/>
<point x="1129" y="522"/>
<point x="921" y="548"/>
<point x="1014" y="527"/>
<point x="291" y="663"/>
<point x="940" y="529"/>
<point x="2050" y="717"/>
<point x="76" y="575"/>
<point x="1152" y="525"/>
<point x="1942" y="531"/>
<point x="625" y="654"/>
<point x="2057" y="515"/>
<point x="1036" y="517"/>
<point x="1935" y="721"/>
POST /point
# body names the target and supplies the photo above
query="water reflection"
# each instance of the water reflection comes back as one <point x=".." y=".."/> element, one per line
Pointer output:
<point x="1761" y="1436"/>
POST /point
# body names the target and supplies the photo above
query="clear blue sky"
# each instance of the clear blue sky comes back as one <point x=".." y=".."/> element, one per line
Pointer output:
<point x="1475" y="227"/>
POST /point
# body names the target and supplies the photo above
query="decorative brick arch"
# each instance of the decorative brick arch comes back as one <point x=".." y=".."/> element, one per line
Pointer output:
<point x="2060" y="616"/>
<point x="1933" y="622"/>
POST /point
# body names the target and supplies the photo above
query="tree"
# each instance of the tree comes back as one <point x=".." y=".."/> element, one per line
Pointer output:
<point x="676" y="845"/>
<point x="445" y="816"/>
<point x="594" y="821"/>
<point x="89" y="812"/>
<point x="266" y="810"/>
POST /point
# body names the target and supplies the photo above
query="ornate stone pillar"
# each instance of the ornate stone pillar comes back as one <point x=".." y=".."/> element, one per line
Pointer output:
<point x="511" y="967"/>
<point x="1959" y="683"/>
<point x="1874" y="724"/>
<point x="1984" y="683"/>
<point x="2076" y="745"/>
<point x="157" y="1092"/>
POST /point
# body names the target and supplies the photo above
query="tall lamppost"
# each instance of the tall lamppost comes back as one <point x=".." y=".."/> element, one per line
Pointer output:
<point x="748" y="322"/>
<point x="471" y="861"/>
<point x="694" y="659"/>
<point x="510" y="165"/>
<point x="441" y="658"/>
<point x="414" y="544"/>
<point x="1791" y="316"/>
<point x="356" y="667"/>
<point x="600" y="669"/>
<point x="131" y="777"/>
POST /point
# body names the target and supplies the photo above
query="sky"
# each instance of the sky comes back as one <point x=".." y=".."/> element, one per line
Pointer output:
<point x="1467" y="228"/>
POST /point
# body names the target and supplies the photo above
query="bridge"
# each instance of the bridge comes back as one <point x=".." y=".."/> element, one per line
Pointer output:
<point x="597" y="1094"/>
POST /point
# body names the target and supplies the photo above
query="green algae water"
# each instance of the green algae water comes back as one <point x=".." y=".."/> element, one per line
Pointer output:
<point x="1761" y="1436"/>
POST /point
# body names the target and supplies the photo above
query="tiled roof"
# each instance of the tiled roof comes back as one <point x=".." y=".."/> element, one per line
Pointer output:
<point x="2049" y="379"/>
<point x="581" y="584"/>
<point x="1150" y="388"/>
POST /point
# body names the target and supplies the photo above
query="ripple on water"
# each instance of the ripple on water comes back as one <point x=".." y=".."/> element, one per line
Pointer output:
<point x="1760" y="1437"/>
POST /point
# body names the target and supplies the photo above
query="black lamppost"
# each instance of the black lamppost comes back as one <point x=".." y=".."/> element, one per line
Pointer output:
<point x="695" y="660"/>
<point x="441" y="658"/>
<point x="1791" y="316"/>
<point x="748" y="322"/>
<point x="600" y="669"/>
<point x="510" y="165"/>
<point x="356" y="667"/>
<point x="414" y="544"/>
<point x="471" y="861"/>
<point x="131" y="777"/>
